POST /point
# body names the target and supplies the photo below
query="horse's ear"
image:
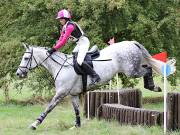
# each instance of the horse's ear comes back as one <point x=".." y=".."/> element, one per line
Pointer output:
<point x="26" y="46"/>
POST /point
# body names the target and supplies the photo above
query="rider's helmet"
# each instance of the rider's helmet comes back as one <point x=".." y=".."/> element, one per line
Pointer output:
<point x="63" y="14"/>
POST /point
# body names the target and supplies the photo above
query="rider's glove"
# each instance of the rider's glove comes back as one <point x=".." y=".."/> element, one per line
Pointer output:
<point x="51" y="51"/>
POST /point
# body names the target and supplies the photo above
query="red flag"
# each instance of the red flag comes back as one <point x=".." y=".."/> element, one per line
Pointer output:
<point x="161" y="56"/>
<point x="111" y="41"/>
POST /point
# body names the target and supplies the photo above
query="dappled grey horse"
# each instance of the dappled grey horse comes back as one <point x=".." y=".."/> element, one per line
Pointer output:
<point x="126" y="57"/>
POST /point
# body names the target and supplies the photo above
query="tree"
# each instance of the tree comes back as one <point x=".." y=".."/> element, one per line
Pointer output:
<point x="153" y="23"/>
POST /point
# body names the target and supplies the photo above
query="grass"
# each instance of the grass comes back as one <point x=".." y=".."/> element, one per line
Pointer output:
<point x="15" y="119"/>
<point x="24" y="94"/>
<point x="155" y="106"/>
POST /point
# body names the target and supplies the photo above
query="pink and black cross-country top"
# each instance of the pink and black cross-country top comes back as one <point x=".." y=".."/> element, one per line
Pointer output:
<point x="70" y="30"/>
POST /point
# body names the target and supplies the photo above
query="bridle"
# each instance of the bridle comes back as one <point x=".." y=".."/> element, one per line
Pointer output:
<point x="29" y="63"/>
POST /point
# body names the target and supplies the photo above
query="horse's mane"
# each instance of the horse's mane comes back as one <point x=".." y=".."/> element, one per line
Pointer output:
<point x="59" y="56"/>
<point x="35" y="46"/>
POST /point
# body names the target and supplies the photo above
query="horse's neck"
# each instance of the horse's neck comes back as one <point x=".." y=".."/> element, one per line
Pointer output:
<point x="41" y="58"/>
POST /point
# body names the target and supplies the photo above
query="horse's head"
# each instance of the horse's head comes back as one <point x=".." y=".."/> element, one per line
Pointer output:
<point x="27" y="63"/>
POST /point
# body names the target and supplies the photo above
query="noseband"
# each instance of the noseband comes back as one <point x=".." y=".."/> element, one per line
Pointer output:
<point x="29" y="63"/>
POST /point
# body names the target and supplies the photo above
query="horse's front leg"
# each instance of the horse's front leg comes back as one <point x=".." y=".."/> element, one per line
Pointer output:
<point x="75" y="103"/>
<point x="56" y="99"/>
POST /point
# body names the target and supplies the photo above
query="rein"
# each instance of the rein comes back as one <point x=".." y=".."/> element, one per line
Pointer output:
<point x="103" y="60"/>
<point x="29" y="63"/>
<point x="69" y="64"/>
<point x="37" y="65"/>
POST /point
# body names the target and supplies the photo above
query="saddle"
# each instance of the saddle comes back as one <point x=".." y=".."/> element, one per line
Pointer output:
<point x="92" y="54"/>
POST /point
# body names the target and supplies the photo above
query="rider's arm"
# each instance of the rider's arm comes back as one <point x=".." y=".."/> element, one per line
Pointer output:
<point x="64" y="37"/>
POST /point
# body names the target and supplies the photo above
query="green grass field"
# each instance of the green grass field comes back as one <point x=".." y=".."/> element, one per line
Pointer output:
<point x="15" y="119"/>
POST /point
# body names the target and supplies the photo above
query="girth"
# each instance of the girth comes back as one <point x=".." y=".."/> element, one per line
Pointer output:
<point x="79" y="70"/>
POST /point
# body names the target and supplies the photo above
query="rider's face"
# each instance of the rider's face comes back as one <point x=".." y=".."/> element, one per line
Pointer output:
<point x="62" y="21"/>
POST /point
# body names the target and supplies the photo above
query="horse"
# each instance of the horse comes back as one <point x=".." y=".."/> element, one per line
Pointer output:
<point x="125" y="57"/>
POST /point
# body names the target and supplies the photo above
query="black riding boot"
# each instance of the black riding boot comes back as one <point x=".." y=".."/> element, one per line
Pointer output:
<point x="89" y="70"/>
<point x="148" y="80"/>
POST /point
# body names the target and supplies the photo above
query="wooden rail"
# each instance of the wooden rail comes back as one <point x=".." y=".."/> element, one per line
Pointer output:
<point x="130" y="115"/>
<point x="128" y="97"/>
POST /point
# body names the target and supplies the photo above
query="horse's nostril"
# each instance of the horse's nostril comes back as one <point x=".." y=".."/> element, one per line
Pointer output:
<point x="17" y="74"/>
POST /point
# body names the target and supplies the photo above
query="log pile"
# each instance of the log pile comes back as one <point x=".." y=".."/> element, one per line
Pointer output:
<point x="130" y="115"/>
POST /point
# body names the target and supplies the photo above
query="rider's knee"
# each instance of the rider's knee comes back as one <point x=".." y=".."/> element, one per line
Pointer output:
<point x="80" y="61"/>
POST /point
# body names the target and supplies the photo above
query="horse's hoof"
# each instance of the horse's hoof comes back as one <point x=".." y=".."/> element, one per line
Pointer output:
<point x="157" y="89"/>
<point x="32" y="127"/>
<point x="78" y="123"/>
<point x="72" y="128"/>
<point x="77" y="126"/>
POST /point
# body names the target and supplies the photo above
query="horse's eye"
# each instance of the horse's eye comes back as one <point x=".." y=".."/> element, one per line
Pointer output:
<point x="26" y="58"/>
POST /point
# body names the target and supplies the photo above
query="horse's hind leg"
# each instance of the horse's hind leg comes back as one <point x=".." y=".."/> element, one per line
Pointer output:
<point x="75" y="103"/>
<point x="134" y="70"/>
<point x="148" y="80"/>
<point x="137" y="73"/>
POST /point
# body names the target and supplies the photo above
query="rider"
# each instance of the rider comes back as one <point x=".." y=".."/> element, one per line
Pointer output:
<point x="73" y="31"/>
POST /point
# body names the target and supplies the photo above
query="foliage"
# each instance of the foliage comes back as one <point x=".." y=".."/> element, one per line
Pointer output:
<point x="43" y="84"/>
<point x="153" y="23"/>
<point x="4" y="83"/>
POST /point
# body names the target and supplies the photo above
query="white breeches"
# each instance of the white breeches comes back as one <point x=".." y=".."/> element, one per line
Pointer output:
<point x="82" y="48"/>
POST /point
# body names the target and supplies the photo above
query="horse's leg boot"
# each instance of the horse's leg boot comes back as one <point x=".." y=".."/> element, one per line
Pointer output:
<point x="148" y="80"/>
<point x="89" y="70"/>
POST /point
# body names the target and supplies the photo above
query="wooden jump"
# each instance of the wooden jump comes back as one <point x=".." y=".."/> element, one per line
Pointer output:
<point x="130" y="115"/>
<point x="128" y="97"/>
<point x="104" y="104"/>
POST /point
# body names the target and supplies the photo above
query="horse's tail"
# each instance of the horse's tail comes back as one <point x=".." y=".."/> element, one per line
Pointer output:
<point x="155" y="64"/>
